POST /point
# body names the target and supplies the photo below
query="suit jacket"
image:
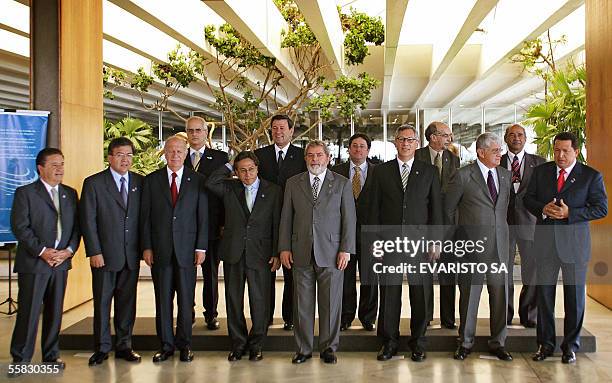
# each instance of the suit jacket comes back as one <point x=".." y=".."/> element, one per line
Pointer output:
<point x="177" y="231"/>
<point x="362" y="202"/>
<point x="324" y="227"/>
<point x="450" y="164"/>
<point x="34" y="223"/>
<point x="479" y="217"/>
<point x="293" y="163"/>
<point x="255" y="233"/>
<point x="585" y="195"/>
<point x="110" y="228"/>
<point x="210" y="161"/>
<point x="517" y="213"/>
<point x="420" y="204"/>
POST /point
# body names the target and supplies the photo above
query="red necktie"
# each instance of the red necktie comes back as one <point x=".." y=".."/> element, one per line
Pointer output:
<point x="560" y="180"/>
<point x="174" y="189"/>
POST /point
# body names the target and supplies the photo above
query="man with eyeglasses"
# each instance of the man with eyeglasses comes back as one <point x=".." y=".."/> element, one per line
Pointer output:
<point x="205" y="160"/>
<point x="479" y="193"/>
<point x="109" y="212"/>
<point x="405" y="196"/>
<point x="439" y="138"/>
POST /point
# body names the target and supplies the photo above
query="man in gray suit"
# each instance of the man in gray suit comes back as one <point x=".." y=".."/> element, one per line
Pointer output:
<point x="316" y="238"/>
<point x="439" y="138"/>
<point x="479" y="193"/>
<point x="521" y="224"/>
<point x="109" y="211"/>
<point x="45" y="222"/>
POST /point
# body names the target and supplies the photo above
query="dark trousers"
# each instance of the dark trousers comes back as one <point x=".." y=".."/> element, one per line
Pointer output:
<point x="235" y="276"/>
<point x="391" y="308"/>
<point x="210" y="276"/>
<point x="528" y="309"/>
<point x="168" y="280"/>
<point x="36" y="292"/>
<point x="120" y="286"/>
<point x="368" y="292"/>
<point x="448" y="293"/>
<point x="287" y="305"/>
<point x="574" y="300"/>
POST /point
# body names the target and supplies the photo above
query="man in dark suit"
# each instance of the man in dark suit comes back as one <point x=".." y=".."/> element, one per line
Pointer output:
<point x="359" y="170"/>
<point x="479" y="193"/>
<point x="439" y="138"/>
<point x="564" y="195"/>
<point x="316" y="239"/>
<point x="277" y="163"/>
<point x="205" y="160"/>
<point x="249" y="249"/>
<point x="521" y="224"/>
<point x="174" y="236"/>
<point x="405" y="192"/>
<point x="109" y="211"/>
<point x="44" y="220"/>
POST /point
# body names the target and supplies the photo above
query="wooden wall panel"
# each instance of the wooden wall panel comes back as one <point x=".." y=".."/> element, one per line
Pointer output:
<point x="599" y="139"/>
<point x="81" y="113"/>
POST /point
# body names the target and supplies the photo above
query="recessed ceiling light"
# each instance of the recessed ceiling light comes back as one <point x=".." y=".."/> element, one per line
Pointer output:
<point x="400" y="106"/>
<point x="461" y="105"/>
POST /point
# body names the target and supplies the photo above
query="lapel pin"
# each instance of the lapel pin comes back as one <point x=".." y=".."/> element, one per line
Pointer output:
<point x="64" y="195"/>
<point x="416" y="172"/>
<point x="572" y="180"/>
<point x="134" y="189"/>
<point x="188" y="179"/>
<point x="208" y="158"/>
<point x="263" y="196"/>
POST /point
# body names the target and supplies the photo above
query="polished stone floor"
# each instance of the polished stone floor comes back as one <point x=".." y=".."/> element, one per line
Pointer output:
<point x="352" y="366"/>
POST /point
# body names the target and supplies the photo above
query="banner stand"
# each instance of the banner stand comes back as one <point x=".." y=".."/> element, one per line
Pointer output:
<point x="9" y="302"/>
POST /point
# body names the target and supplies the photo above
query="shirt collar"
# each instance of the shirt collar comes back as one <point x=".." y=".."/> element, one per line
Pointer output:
<point x="520" y="156"/>
<point x="568" y="170"/>
<point x="117" y="176"/>
<point x="253" y="186"/>
<point x="278" y="149"/>
<point x="192" y="150"/>
<point x="409" y="162"/>
<point x="179" y="173"/>
<point x="433" y="152"/>
<point x="363" y="167"/>
<point x="321" y="176"/>
<point x="49" y="187"/>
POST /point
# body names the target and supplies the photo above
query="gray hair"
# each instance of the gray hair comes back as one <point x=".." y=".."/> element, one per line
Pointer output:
<point x="312" y="143"/>
<point x="177" y="138"/>
<point x="403" y="127"/>
<point x="485" y="140"/>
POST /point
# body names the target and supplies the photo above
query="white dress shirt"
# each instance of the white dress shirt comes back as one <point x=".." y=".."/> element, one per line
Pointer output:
<point x="400" y="164"/>
<point x="179" y="176"/>
<point x="117" y="178"/>
<point x="485" y="173"/>
<point x="520" y="157"/>
<point x="321" y="178"/>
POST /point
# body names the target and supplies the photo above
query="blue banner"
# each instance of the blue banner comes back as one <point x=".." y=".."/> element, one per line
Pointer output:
<point x="22" y="136"/>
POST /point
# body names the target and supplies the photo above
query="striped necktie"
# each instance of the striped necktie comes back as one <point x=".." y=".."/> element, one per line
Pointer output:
<point x="405" y="174"/>
<point x="516" y="170"/>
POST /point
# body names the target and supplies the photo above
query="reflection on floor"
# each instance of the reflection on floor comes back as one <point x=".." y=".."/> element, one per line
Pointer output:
<point x="352" y="366"/>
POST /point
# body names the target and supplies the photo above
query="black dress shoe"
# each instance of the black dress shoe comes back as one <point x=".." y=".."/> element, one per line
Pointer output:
<point x="300" y="358"/>
<point x="56" y="362"/>
<point x="236" y="355"/>
<point x="162" y="355"/>
<point x="328" y="356"/>
<point x="529" y="324"/>
<point x="461" y="353"/>
<point x="502" y="354"/>
<point x="386" y="352"/>
<point x="186" y="355"/>
<point x="568" y="357"/>
<point x="212" y="324"/>
<point x="288" y="326"/>
<point x="542" y="353"/>
<point x="344" y="326"/>
<point x="369" y="326"/>
<point x="255" y="355"/>
<point x="128" y="355"/>
<point x="450" y="326"/>
<point x="418" y="356"/>
<point x="97" y="357"/>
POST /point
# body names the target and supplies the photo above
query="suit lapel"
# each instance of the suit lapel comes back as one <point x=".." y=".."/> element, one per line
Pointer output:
<point x="261" y="195"/>
<point x="395" y="174"/>
<point x="501" y="181"/>
<point x="111" y="187"/>
<point x="132" y="190"/>
<point x="306" y="187"/>
<point x="477" y="177"/>
<point x="529" y="164"/>
<point x="241" y="195"/>
<point x="572" y="177"/>
<point x="42" y="191"/>
<point x="162" y="179"/>
<point x="186" y="182"/>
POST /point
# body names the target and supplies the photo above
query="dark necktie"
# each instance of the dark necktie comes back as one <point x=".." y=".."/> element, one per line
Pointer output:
<point x="492" y="188"/>
<point x="280" y="159"/>
<point x="315" y="189"/>
<point x="174" y="190"/>
<point x="516" y="171"/>
<point x="123" y="192"/>
<point x="560" y="180"/>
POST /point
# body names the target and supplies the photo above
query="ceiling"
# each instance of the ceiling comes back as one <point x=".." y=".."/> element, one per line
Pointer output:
<point x="437" y="53"/>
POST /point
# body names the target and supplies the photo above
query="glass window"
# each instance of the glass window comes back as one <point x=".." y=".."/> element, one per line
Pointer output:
<point x="370" y="122"/>
<point x="396" y="118"/>
<point x="336" y="132"/>
<point x="467" y="126"/>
